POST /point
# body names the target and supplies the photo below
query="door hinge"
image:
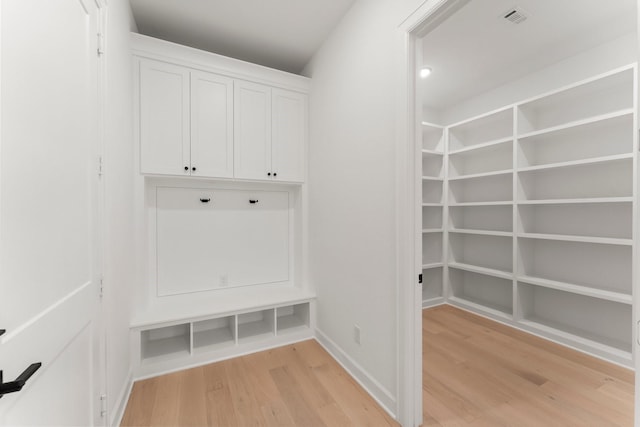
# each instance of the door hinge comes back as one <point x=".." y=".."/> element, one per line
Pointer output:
<point x="100" y="167"/>
<point x="101" y="290"/>
<point x="419" y="278"/>
<point x="103" y="405"/>
<point x="100" y="44"/>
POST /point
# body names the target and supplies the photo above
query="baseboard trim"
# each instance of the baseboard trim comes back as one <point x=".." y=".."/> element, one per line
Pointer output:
<point x="378" y="392"/>
<point x="121" y="402"/>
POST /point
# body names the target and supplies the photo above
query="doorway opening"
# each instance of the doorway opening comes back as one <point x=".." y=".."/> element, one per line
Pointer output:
<point x="526" y="209"/>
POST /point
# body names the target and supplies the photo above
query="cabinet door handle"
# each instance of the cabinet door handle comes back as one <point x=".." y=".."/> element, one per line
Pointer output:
<point x="205" y="200"/>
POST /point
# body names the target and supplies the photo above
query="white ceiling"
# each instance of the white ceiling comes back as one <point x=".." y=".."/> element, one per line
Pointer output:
<point x="476" y="50"/>
<point x="282" y="34"/>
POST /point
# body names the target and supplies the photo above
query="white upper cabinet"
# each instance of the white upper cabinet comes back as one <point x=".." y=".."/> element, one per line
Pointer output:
<point x="270" y="133"/>
<point x="288" y="134"/>
<point x="164" y="118"/>
<point x="204" y="115"/>
<point x="211" y="125"/>
<point x="252" y="114"/>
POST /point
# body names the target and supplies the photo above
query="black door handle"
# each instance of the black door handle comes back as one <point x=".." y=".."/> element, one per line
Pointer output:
<point x="2" y="331"/>
<point x="205" y="200"/>
<point x="14" y="386"/>
<point x="253" y="202"/>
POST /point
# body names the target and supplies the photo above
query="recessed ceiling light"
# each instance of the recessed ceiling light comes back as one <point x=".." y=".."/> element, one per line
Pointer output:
<point x="425" y="72"/>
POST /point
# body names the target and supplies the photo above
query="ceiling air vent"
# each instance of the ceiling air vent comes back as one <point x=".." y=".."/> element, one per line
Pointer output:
<point x="515" y="15"/>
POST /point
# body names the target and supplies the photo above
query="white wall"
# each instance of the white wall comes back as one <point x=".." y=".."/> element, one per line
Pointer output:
<point x="352" y="223"/>
<point x="610" y="55"/>
<point x="119" y="256"/>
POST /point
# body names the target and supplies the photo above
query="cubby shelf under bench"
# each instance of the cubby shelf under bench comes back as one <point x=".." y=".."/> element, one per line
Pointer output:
<point x="166" y="338"/>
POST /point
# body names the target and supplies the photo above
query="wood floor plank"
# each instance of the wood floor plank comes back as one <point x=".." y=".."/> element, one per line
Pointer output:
<point x="294" y="385"/>
<point x="468" y="358"/>
<point x="476" y="372"/>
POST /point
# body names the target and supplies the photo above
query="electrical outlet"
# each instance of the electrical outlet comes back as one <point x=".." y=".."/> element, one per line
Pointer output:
<point x="224" y="280"/>
<point x="356" y="334"/>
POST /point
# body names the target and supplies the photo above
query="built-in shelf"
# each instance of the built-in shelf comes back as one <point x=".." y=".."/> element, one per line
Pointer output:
<point x="432" y="265"/>
<point x="481" y="270"/>
<point x="432" y="284"/>
<point x="625" y="112"/>
<point x="497" y="142"/>
<point x="494" y="253"/>
<point x="292" y="318"/>
<point x="481" y="175"/>
<point x="486" y="292"/>
<point x="579" y="221"/>
<point x="432" y="178"/>
<point x="432" y="153"/>
<point x="594" y="265"/>
<point x="212" y="334"/>
<point x="165" y="342"/>
<point x="432" y="205"/>
<point x="432" y="230"/>
<point x="573" y="163"/>
<point x="489" y="218"/>
<point x="481" y="130"/>
<point x="491" y="203"/>
<point x="573" y="315"/>
<point x="583" y="200"/>
<point x="573" y="238"/>
<point x="481" y="232"/>
<point x="578" y="289"/>
<point x="594" y="180"/>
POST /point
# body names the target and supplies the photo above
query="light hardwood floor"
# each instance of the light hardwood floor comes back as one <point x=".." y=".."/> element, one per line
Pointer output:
<point x="295" y="385"/>
<point x="476" y="373"/>
<point x="481" y="373"/>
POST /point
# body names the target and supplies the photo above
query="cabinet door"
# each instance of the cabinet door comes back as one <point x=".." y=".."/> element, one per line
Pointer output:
<point x="164" y="118"/>
<point x="252" y="128"/>
<point x="211" y="125"/>
<point x="289" y="132"/>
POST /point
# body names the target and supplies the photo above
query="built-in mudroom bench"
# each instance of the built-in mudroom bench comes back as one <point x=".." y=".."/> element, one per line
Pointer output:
<point x="221" y="208"/>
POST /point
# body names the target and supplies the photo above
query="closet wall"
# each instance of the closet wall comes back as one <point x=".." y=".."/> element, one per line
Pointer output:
<point x="529" y="201"/>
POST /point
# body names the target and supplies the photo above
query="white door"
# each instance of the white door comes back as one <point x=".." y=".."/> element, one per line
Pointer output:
<point x="164" y="119"/>
<point x="48" y="204"/>
<point x="211" y="125"/>
<point x="252" y="129"/>
<point x="289" y="135"/>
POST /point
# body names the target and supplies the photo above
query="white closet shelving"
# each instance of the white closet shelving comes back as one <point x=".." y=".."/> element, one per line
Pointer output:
<point x="433" y="214"/>
<point x="539" y="201"/>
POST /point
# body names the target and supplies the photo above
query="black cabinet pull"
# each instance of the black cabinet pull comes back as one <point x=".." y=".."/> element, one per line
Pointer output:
<point x="14" y="386"/>
<point x="268" y="173"/>
<point x="275" y="174"/>
<point x="205" y="200"/>
<point x="253" y="202"/>
<point x="193" y="168"/>
<point x="186" y="168"/>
